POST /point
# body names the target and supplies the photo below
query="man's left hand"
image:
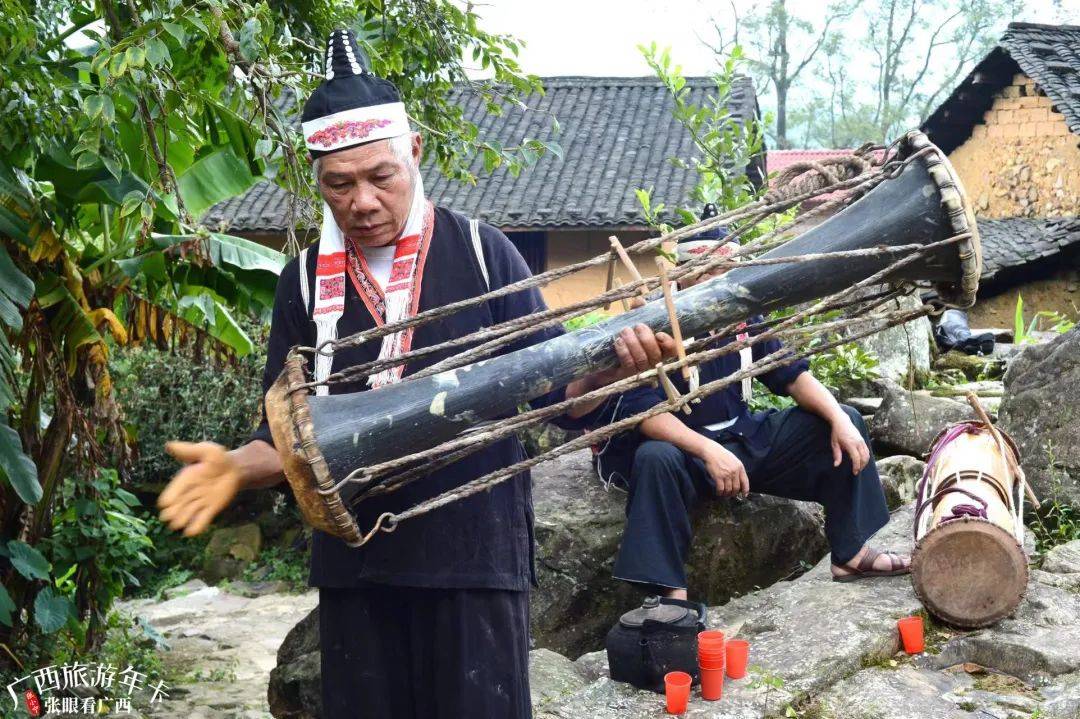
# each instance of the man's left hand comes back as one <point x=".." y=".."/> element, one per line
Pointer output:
<point x="638" y="349"/>
<point x="846" y="439"/>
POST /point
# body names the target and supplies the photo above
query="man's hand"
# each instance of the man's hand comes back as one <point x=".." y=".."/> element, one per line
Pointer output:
<point x="638" y="349"/>
<point x="727" y="472"/>
<point x="200" y="490"/>
<point x="846" y="439"/>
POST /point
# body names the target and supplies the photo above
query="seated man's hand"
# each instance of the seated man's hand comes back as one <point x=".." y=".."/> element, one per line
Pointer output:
<point x="200" y="490"/>
<point x="727" y="472"/>
<point x="638" y="349"/>
<point x="846" y="439"/>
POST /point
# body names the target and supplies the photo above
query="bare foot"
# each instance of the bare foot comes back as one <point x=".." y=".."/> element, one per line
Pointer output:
<point x="675" y="594"/>
<point x="883" y="562"/>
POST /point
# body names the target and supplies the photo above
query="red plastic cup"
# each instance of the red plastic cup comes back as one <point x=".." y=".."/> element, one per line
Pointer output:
<point x="677" y="691"/>
<point x="712" y="683"/>
<point x="710" y="638"/>
<point x="738" y="654"/>
<point x="711" y="664"/>
<point x="911" y="634"/>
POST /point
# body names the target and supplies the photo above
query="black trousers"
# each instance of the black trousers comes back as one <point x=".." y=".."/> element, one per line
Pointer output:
<point x="411" y="653"/>
<point x="666" y="484"/>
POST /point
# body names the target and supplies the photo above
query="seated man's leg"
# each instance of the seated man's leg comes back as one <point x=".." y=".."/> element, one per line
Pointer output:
<point x="665" y="484"/>
<point x="800" y="466"/>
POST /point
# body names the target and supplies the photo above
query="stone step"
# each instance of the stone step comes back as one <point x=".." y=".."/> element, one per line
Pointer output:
<point x="865" y="405"/>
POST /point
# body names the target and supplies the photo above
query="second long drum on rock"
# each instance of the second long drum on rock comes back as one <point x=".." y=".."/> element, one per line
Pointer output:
<point x="969" y="567"/>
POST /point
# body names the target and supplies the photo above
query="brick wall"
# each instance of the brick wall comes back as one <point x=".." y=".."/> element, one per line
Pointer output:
<point x="566" y="247"/>
<point x="1021" y="160"/>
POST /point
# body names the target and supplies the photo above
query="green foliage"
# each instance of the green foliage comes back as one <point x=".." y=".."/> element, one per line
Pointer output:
<point x="171" y="559"/>
<point x="762" y="399"/>
<point x="845" y="73"/>
<point x="278" y="564"/>
<point x="97" y="544"/>
<point x="763" y="678"/>
<point x="839" y="369"/>
<point x="586" y="320"/>
<point x="1056" y="521"/>
<point x="128" y="641"/>
<point x="49" y="608"/>
<point x="122" y="123"/>
<point x="726" y="143"/>
<point x="844" y="365"/>
<point x="1043" y="320"/>
<point x="168" y="396"/>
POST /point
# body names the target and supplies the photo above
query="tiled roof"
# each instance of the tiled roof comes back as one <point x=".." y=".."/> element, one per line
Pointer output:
<point x="1048" y="54"/>
<point x="617" y="134"/>
<point x="1008" y="245"/>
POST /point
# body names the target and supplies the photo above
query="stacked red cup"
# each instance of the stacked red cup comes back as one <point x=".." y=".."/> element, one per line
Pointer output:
<point x="711" y="653"/>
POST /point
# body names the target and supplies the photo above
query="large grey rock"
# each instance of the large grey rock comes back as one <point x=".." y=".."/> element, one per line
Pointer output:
<point x="738" y="546"/>
<point x="1062" y="698"/>
<point x="1039" y="642"/>
<point x="229" y="550"/>
<point x="1041" y="410"/>
<point x="1063" y="559"/>
<point x="902" y="351"/>
<point x="579" y="526"/>
<point x="831" y="651"/>
<point x="864" y="405"/>
<point x="902" y="693"/>
<point x="907" y="422"/>
<point x="294" y="690"/>
<point x="900" y="475"/>
<point x="552" y="677"/>
<point x="805" y="635"/>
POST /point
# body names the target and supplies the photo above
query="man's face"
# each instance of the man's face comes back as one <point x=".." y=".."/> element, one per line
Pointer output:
<point x="697" y="279"/>
<point x="369" y="190"/>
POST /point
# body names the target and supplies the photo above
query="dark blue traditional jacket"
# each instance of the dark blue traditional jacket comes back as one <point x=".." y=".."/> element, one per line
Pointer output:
<point x="724" y="407"/>
<point x="486" y="540"/>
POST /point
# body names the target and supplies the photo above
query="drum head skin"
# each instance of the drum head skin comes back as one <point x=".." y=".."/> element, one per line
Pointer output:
<point x="969" y="572"/>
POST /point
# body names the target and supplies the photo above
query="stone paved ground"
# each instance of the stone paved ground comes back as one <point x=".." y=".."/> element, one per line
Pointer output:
<point x="222" y="647"/>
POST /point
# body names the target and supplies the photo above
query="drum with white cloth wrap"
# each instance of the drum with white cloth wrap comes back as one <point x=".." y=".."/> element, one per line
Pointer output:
<point x="969" y="567"/>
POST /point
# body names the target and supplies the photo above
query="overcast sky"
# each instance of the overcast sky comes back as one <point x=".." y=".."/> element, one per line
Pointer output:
<point x="599" y="37"/>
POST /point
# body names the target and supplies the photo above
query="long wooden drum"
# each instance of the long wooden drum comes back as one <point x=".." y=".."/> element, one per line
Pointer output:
<point x="969" y="567"/>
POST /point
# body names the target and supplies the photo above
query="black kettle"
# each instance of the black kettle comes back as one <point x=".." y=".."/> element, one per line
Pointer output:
<point x="658" y="637"/>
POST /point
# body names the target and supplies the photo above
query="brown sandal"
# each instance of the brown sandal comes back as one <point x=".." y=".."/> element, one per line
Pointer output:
<point x="865" y="567"/>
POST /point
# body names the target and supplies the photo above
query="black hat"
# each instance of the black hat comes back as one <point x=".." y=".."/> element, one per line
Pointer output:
<point x="705" y="241"/>
<point x="351" y="106"/>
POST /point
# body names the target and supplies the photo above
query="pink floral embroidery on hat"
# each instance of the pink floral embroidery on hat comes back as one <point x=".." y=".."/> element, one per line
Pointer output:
<point x="333" y="135"/>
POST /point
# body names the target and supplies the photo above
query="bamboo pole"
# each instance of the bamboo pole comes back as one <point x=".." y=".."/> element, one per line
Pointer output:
<point x="676" y="330"/>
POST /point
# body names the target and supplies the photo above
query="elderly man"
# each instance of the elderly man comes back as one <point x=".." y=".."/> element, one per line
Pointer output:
<point x="816" y="452"/>
<point x="430" y="621"/>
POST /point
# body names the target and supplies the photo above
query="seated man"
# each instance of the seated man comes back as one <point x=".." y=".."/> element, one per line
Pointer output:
<point x="816" y="451"/>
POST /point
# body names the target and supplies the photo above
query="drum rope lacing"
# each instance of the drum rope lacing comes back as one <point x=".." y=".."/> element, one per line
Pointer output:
<point x="959" y="511"/>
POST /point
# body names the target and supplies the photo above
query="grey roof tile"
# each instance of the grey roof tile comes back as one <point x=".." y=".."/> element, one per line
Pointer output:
<point x="617" y="134"/>
<point x="1014" y="242"/>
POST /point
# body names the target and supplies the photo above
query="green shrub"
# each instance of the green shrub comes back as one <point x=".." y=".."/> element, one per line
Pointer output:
<point x="1056" y="521"/>
<point x="172" y="396"/>
<point x="279" y="564"/>
<point x="173" y="558"/>
<point x="97" y="545"/>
